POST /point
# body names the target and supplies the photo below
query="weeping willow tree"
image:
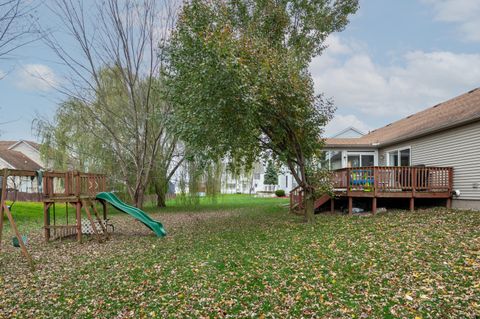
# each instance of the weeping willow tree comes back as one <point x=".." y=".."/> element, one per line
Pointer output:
<point x="99" y="137"/>
<point x="213" y="179"/>
<point x="112" y="72"/>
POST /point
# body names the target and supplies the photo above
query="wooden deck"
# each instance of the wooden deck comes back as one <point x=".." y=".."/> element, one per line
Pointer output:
<point x="385" y="182"/>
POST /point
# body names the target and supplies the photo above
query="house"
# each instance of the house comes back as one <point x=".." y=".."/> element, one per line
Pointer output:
<point x="286" y="181"/>
<point x="349" y="132"/>
<point x="445" y="135"/>
<point x="21" y="155"/>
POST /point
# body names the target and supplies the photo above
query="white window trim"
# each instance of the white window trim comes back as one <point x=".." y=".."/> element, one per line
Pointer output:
<point x="345" y="152"/>
<point x="398" y="150"/>
<point x="374" y="153"/>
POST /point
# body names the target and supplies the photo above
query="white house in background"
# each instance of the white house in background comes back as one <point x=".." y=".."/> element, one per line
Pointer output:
<point x="22" y="155"/>
<point x="253" y="181"/>
<point x="349" y="132"/>
<point x="286" y="181"/>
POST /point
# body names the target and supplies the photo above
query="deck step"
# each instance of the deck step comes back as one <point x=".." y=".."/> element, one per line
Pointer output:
<point x="322" y="200"/>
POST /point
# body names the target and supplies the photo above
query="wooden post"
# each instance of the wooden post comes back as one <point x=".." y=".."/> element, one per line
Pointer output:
<point x="4" y="209"/>
<point x="450" y="180"/>
<point x="414" y="181"/>
<point x="3" y="199"/>
<point x="78" y="207"/>
<point x="332" y="205"/>
<point x="449" y="203"/>
<point x="104" y="206"/>
<point x="19" y="237"/>
<point x="78" y="186"/>
<point x="46" y="221"/>
<point x="350" y="205"/>
<point x="100" y="221"/>
<point x="412" y="204"/>
<point x="92" y="222"/>
<point x="374" y="205"/>
<point x="348" y="182"/>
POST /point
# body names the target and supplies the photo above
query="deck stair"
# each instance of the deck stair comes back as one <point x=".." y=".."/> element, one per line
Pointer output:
<point x="321" y="201"/>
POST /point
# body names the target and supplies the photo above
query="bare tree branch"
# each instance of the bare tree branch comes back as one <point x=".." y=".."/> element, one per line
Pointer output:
<point x="114" y="72"/>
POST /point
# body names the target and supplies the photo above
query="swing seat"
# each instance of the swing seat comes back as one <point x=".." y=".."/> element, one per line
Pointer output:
<point x="16" y="243"/>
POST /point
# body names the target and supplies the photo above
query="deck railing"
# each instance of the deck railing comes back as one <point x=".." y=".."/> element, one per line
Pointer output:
<point x="387" y="179"/>
<point x="394" y="179"/>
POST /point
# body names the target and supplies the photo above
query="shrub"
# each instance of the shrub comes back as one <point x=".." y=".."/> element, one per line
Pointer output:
<point x="280" y="193"/>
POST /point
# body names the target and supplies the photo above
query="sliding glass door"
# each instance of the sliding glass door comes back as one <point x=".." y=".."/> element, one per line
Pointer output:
<point x="360" y="159"/>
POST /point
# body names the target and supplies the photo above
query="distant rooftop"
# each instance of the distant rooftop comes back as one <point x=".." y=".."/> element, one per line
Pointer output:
<point x="17" y="159"/>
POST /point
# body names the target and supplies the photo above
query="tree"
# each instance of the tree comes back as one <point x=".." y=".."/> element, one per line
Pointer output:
<point x="75" y="140"/>
<point x="17" y="25"/>
<point x="241" y="82"/>
<point x="271" y="175"/>
<point x="115" y="80"/>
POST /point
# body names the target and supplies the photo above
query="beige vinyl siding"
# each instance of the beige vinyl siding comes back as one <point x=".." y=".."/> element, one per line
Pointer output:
<point x="458" y="147"/>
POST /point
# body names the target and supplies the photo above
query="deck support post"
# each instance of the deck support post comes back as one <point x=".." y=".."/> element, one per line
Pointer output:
<point x="78" y="207"/>
<point x="350" y="205"/>
<point x="412" y="204"/>
<point x="332" y="205"/>
<point x="449" y="203"/>
<point x="374" y="205"/>
<point x="46" y="221"/>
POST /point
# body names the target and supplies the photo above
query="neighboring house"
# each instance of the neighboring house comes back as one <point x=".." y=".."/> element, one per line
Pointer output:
<point x="21" y="155"/>
<point x="286" y="181"/>
<point x="349" y="132"/>
<point x="447" y="134"/>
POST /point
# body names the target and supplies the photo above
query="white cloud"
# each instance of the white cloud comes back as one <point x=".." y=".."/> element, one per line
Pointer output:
<point x="36" y="77"/>
<point x="341" y="122"/>
<point x="419" y="80"/>
<point x="465" y="13"/>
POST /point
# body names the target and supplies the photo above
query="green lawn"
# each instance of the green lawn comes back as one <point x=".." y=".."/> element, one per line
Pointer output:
<point x="246" y="257"/>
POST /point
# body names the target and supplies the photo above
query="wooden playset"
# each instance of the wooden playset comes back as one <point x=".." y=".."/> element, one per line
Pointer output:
<point x="70" y="188"/>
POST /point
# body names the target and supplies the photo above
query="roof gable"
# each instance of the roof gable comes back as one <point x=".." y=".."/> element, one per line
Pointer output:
<point x="34" y="146"/>
<point x="348" y="131"/>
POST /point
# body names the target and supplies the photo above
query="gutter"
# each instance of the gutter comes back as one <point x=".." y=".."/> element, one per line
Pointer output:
<point x="377" y="145"/>
<point x="429" y="132"/>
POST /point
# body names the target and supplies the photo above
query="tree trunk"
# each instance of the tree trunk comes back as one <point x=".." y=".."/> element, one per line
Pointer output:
<point x="160" y="190"/>
<point x="138" y="198"/>
<point x="309" y="202"/>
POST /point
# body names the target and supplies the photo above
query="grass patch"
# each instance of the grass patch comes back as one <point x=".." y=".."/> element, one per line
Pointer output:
<point x="256" y="260"/>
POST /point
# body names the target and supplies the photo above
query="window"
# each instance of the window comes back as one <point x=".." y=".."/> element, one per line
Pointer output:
<point x="400" y="157"/>
<point x="405" y="157"/>
<point x="368" y="160"/>
<point x="353" y="161"/>
<point x="360" y="160"/>
<point x="286" y="181"/>
<point x="393" y="158"/>
<point x="335" y="160"/>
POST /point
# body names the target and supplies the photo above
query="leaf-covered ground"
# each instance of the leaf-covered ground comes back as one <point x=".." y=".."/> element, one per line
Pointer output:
<point x="254" y="261"/>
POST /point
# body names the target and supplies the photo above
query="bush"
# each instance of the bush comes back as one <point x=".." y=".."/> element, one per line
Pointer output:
<point x="280" y="193"/>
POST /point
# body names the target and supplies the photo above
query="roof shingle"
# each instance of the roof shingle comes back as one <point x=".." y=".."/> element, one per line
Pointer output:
<point x="461" y="109"/>
<point x="18" y="160"/>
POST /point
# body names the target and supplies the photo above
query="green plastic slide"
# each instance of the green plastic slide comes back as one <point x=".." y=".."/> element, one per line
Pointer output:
<point x="136" y="213"/>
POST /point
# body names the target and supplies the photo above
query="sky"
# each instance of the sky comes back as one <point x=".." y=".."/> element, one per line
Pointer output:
<point x="395" y="58"/>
